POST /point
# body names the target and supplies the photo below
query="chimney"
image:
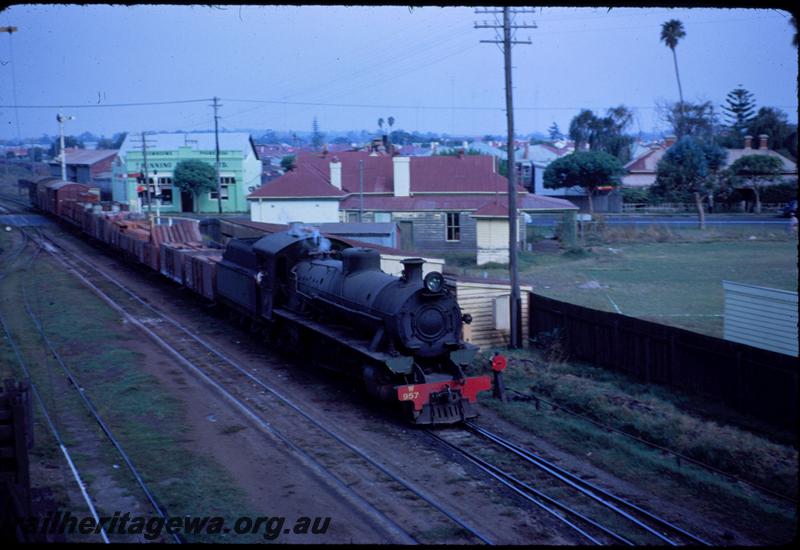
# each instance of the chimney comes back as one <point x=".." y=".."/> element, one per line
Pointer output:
<point x="412" y="269"/>
<point x="748" y="142"/>
<point x="402" y="176"/>
<point x="669" y="141"/>
<point x="762" y="141"/>
<point x="336" y="173"/>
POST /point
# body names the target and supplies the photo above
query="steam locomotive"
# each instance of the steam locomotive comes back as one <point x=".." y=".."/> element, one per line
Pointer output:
<point x="401" y="335"/>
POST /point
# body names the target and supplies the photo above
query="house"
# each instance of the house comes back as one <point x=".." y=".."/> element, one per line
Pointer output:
<point x="240" y="170"/>
<point x="432" y="199"/>
<point x="789" y="167"/>
<point x="84" y="165"/>
<point x="641" y="170"/>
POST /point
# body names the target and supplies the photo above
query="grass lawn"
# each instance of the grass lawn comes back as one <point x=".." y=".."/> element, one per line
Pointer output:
<point x="674" y="283"/>
<point x="147" y="418"/>
<point x="659" y="415"/>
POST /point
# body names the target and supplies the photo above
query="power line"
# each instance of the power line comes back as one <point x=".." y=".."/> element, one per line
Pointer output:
<point x="104" y="105"/>
<point x="356" y="105"/>
<point x="508" y="26"/>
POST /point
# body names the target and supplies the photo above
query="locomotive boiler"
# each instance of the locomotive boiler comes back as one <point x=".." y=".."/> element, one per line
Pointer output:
<point x="402" y="336"/>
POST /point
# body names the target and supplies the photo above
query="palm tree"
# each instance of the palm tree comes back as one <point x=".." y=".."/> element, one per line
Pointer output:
<point x="390" y="120"/>
<point x="671" y="32"/>
<point x="380" y="124"/>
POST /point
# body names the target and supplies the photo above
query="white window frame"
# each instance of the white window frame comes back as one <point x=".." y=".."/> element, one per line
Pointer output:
<point x="212" y="195"/>
<point x="456" y="226"/>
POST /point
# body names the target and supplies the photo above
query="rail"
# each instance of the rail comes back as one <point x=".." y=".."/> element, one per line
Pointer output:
<point x="71" y="260"/>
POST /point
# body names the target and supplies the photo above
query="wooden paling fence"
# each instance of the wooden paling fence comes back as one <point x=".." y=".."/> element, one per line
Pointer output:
<point x="750" y="380"/>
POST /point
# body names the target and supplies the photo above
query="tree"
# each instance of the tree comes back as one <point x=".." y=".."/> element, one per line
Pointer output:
<point x="380" y="125"/>
<point x="586" y="169"/>
<point x="689" y="167"/>
<point x="69" y="142"/>
<point x="755" y="171"/>
<point x="739" y="111"/>
<point x="104" y="143"/>
<point x="603" y="134"/>
<point x="609" y="133"/>
<point x="288" y="163"/>
<point x="316" y="136"/>
<point x="195" y="176"/>
<point x="390" y="120"/>
<point x="671" y="33"/>
<point x="698" y="120"/>
<point x="555" y="133"/>
<point x="580" y="128"/>
<point x="457" y="152"/>
<point x="401" y="137"/>
<point x="781" y="135"/>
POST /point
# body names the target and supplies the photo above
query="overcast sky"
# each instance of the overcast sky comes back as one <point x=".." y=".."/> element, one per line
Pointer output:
<point x="348" y="66"/>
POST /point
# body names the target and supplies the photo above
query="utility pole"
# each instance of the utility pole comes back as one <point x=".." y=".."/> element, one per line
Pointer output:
<point x="216" y="105"/>
<point x="61" y="118"/>
<point x="146" y="177"/>
<point x="10" y="30"/>
<point x="513" y="232"/>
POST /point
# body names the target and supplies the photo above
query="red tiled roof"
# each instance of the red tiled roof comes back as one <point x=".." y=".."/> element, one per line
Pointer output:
<point x="647" y="161"/>
<point x="305" y="181"/>
<point x="446" y="174"/>
<point x="437" y="183"/>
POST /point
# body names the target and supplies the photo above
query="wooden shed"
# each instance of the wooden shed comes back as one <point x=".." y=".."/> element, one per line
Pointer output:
<point x="487" y="301"/>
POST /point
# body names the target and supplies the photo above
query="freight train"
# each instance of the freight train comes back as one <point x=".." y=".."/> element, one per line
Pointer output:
<point x="400" y="336"/>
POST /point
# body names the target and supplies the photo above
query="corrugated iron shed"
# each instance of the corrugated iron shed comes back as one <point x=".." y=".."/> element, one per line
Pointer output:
<point x="761" y="317"/>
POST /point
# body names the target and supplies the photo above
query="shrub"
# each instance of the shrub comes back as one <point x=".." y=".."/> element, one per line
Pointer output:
<point x="635" y="195"/>
<point x="781" y="192"/>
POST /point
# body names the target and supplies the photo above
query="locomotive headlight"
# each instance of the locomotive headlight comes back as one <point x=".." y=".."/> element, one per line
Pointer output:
<point x="434" y="282"/>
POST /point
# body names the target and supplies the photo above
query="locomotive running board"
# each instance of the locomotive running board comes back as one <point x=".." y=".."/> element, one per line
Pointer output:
<point x="398" y="365"/>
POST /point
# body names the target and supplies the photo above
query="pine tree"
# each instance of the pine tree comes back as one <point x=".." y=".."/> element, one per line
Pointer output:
<point x="740" y="110"/>
<point x="316" y="135"/>
<point x="555" y="132"/>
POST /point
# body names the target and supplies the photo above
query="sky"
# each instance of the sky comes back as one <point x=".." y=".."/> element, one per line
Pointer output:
<point x="279" y="67"/>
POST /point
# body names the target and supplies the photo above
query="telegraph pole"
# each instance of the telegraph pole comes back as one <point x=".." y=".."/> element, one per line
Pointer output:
<point x="216" y="105"/>
<point x="513" y="232"/>
<point x="146" y="174"/>
<point x="10" y="30"/>
<point x="63" y="154"/>
<point x="147" y="178"/>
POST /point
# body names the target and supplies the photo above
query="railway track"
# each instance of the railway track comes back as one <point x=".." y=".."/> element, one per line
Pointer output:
<point x="276" y="414"/>
<point x="92" y="409"/>
<point x="90" y="504"/>
<point x="598" y="516"/>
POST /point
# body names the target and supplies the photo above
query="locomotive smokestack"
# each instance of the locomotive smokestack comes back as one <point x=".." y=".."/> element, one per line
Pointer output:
<point x="412" y="269"/>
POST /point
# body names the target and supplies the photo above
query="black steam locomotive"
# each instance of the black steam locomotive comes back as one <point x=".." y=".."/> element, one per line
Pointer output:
<point x="401" y="335"/>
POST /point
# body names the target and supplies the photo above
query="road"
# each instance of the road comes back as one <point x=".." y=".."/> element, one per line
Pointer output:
<point x="679" y="220"/>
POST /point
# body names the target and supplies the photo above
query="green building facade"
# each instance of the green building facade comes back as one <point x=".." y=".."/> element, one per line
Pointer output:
<point x="240" y="171"/>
